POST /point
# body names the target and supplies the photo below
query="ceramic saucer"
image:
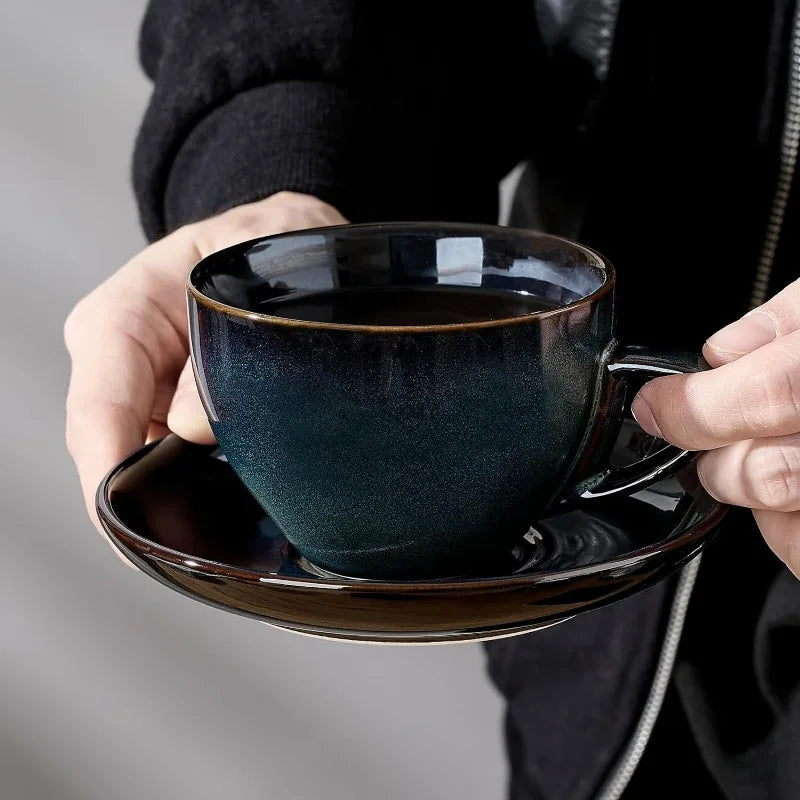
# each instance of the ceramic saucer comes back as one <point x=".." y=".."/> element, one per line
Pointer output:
<point x="180" y="513"/>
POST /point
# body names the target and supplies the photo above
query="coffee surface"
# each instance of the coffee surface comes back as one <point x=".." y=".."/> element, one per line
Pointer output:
<point x="405" y="306"/>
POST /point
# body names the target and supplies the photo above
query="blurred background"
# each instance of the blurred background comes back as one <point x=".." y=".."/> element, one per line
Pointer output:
<point x="112" y="686"/>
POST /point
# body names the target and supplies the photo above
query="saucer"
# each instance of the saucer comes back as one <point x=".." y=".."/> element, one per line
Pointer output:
<point x="180" y="513"/>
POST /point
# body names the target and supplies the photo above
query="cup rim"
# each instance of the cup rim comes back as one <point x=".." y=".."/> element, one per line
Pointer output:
<point x="600" y="262"/>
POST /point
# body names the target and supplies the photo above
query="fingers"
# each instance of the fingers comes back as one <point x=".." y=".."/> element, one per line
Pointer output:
<point x="108" y="406"/>
<point x="106" y="409"/>
<point x="777" y="317"/>
<point x="756" y="396"/>
<point x="752" y="331"/>
<point x="129" y="345"/>
<point x="279" y="213"/>
<point x="759" y="473"/>
<point x="782" y="533"/>
<point x="127" y="342"/>
<point x="746" y="413"/>
<point x="187" y="417"/>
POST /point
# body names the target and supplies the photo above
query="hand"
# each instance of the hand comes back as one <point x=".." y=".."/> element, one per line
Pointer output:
<point x="746" y="413"/>
<point x="128" y="339"/>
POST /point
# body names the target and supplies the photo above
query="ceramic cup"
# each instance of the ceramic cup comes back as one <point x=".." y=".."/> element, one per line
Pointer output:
<point x="412" y="451"/>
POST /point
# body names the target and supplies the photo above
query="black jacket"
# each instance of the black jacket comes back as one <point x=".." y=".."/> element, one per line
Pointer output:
<point x="652" y="132"/>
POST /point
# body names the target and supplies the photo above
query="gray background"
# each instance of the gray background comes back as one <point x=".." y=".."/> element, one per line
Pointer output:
<point x="110" y="685"/>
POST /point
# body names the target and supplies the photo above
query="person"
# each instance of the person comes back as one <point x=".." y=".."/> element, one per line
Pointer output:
<point x="665" y="140"/>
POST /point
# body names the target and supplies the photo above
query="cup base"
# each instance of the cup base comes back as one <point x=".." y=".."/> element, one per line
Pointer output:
<point x="532" y="549"/>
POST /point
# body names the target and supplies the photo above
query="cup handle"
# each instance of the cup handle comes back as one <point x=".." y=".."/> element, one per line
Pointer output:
<point x="628" y="373"/>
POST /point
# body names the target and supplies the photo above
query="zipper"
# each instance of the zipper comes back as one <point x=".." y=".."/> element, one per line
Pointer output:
<point x="790" y="138"/>
<point x="607" y="27"/>
<point x="620" y="777"/>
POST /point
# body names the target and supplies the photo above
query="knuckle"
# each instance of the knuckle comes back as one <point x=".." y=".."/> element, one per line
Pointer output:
<point x="194" y="235"/>
<point x="282" y="219"/>
<point x="243" y="232"/>
<point x="73" y="324"/>
<point x="753" y="404"/>
<point x="68" y="331"/>
<point x="189" y="230"/>
<point x="233" y="226"/>
<point x="249" y="226"/>
<point x="201" y="236"/>
<point x="326" y="216"/>
<point x="71" y="437"/>
<point x="91" y="313"/>
<point x="768" y="399"/>
<point x="137" y="328"/>
<point x="239" y="217"/>
<point x="69" y="440"/>
<point x="783" y="394"/>
<point x="284" y="196"/>
<point x="681" y="412"/>
<point x="773" y="476"/>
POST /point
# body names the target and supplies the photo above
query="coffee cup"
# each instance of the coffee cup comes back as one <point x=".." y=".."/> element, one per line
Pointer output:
<point x="405" y="399"/>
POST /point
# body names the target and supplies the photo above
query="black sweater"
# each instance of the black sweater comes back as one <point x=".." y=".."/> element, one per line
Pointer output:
<point x="390" y="110"/>
<point x="411" y="110"/>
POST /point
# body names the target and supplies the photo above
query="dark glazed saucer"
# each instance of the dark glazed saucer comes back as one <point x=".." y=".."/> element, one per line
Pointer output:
<point x="181" y="514"/>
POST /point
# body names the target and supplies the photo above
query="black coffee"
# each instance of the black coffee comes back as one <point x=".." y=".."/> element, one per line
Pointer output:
<point x="419" y="305"/>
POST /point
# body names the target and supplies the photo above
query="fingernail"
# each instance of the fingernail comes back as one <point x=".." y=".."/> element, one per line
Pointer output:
<point x="188" y="419"/>
<point x="701" y="478"/>
<point x="745" y="335"/>
<point x="644" y="417"/>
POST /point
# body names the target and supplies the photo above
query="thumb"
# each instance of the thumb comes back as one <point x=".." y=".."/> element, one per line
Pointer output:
<point x="775" y="318"/>
<point x="187" y="417"/>
<point x="752" y="331"/>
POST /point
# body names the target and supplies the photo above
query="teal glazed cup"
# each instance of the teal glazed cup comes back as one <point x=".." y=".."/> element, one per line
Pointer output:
<point x="426" y="451"/>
